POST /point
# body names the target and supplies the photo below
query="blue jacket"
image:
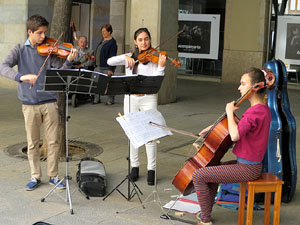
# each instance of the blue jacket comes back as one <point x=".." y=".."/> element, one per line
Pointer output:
<point x="109" y="49"/>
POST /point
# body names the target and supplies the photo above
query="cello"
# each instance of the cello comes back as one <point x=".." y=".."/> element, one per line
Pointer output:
<point x="216" y="143"/>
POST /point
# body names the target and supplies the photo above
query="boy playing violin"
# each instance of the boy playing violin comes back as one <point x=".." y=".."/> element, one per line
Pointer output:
<point x="250" y="135"/>
<point x="37" y="106"/>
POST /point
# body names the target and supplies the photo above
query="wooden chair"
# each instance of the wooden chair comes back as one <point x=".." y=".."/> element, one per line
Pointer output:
<point x="266" y="183"/>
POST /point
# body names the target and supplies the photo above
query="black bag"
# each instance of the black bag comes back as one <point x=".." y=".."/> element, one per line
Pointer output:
<point x="91" y="177"/>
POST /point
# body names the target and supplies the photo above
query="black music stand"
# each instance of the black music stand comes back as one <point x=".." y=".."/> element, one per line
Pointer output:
<point x="133" y="85"/>
<point x="72" y="81"/>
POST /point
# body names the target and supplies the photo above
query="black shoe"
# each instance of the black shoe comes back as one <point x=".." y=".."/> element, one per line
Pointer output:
<point x="134" y="175"/>
<point x="151" y="177"/>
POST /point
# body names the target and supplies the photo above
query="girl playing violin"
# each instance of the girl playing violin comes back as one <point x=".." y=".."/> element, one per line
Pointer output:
<point x="38" y="107"/>
<point x="142" y="40"/>
<point x="251" y="136"/>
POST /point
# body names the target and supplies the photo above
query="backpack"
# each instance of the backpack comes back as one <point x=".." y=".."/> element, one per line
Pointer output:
<point x="91" y="177"/>
<point x="228" y="196"/>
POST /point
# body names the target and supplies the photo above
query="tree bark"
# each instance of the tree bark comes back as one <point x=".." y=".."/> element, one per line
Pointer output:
<point x="61" y="24"/>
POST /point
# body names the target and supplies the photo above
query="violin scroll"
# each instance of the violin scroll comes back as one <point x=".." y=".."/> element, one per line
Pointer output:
<point x="176" y="62"/>
<point x="268" y="83"/>
<point x="270" y="79"/>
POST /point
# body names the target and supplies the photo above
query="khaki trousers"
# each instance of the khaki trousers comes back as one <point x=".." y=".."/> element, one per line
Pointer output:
<point x="34" y="116"/>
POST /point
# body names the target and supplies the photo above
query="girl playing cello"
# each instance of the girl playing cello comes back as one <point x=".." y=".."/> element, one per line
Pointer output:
<point x="251" y="137"/>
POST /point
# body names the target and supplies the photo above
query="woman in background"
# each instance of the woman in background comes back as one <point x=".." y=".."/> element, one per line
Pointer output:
<point x="105" y="49"/>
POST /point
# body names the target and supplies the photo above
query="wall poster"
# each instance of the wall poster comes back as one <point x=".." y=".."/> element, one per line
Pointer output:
<point x="200" y="38"/>
<point x="288" y="40"/>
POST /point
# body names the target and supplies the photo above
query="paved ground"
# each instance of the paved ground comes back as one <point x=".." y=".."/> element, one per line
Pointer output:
<point x="199" y="104"/>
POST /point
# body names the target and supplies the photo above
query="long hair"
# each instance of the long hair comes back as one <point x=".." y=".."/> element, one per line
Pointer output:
<point x="136" y="34"/>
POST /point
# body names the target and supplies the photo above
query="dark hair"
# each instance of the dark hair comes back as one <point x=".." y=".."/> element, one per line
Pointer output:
<point x="136" y="33"/>
<point x="141" y="30"/>
<point x="107" y="27"/>
<point x="256" y="75"/>
<point x="34" y="22"/>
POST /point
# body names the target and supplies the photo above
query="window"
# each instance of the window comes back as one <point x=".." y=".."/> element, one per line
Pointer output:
<point x="197" y="66"/>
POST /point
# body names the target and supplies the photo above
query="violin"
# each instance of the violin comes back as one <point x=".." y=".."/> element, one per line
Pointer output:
<point x="152" y="55"/>
<point x="51" y="46"/>
<point x="89" y="57"/>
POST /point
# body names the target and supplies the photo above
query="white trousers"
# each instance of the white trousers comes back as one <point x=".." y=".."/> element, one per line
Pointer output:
<point x="133" y="103"/>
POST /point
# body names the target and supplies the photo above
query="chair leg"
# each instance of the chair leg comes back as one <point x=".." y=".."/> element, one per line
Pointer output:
<point x="250" y="205"/>
<point x="277" y="203"/>
<point x="242" y="204"/>
<point x="267" y="208"/>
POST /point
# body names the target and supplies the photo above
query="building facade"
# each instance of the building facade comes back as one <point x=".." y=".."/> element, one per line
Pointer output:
<point x="242" y="40"/>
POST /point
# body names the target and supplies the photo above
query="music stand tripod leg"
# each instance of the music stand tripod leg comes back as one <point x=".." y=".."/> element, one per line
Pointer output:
<point x="116" y="188"/>
<point x="69" y="195"/>
<point x="66" y="177"/>
<point x="156" y="200"/>
<point x="136" y="190"/>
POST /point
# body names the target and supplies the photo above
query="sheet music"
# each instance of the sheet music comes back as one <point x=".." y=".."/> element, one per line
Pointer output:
<point x="187" y="204"/>
<point x="183" y="206"/>
<point x="137" y="128"/>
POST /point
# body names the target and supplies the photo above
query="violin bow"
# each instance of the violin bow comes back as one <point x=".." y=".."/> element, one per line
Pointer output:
<point x="164" y="42"/>
<point x="46" y="60"/>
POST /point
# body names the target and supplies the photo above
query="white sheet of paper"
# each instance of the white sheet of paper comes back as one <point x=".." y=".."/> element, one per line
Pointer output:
<point x="183" y="206"/>
<point x="137" y="128"/>
<point x="188" y="203"/>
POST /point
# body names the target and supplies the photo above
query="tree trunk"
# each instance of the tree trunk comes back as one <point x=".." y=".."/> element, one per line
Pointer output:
<point x="60" y="24"/>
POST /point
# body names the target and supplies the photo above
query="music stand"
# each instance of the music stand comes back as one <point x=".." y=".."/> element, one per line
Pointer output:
<point x="135" y="85"/>
<point x="72" y="81"/>
<point x="132" y="84"/>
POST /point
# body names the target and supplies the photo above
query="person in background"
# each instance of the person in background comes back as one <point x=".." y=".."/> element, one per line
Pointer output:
<point x="135" y="102"/>
<point x="37" y="106"/>
<point x="105" y="49"/>
<point x="250" y="135"/>
<point x="85" y="58"/>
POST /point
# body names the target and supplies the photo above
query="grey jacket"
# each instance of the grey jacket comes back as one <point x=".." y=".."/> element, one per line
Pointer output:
<point x="29" y="62"/>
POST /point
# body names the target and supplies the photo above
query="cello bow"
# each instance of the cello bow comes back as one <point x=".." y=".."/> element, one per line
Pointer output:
<point x="186" y="133"/>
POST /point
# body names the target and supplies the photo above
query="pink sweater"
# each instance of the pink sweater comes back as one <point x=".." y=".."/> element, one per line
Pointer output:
<point x="254" y="133"/>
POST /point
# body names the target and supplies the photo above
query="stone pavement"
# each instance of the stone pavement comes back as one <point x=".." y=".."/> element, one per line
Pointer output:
<point x="199" y="104"/>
